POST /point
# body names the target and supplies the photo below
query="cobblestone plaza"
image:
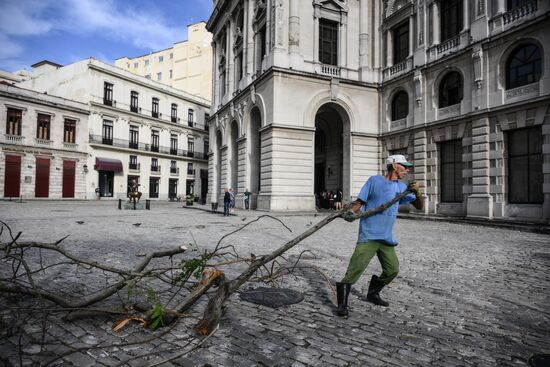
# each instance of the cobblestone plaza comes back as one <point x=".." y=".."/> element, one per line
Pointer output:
<point x="466" y="295"/>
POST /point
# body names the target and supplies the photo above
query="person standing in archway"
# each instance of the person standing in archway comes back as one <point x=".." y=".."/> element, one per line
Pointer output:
<point x="375" y="232"/>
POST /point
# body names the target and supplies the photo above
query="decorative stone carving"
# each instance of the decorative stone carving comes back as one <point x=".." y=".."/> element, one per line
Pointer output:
<point x="334" y="88"/>
<point x="478" y="71"/>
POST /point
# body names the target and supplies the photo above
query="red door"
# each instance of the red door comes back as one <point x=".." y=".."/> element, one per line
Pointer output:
<point x="68" y="178"/>
<point x="12" y="177"/>
<point x="42" y="186"/>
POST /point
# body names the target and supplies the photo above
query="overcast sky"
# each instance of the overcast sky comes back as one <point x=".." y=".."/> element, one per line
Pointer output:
<point x="65" y="31"/>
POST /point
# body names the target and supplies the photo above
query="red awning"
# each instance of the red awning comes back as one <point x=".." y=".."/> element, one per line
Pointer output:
<point x="108" y="164"/>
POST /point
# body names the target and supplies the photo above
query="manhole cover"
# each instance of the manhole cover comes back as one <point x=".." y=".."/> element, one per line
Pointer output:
<point x="272" y="297"/>
<point x="540" y="360"/>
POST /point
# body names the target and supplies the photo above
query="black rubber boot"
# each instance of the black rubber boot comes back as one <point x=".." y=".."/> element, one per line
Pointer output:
<point x="373" y="294"/>
<point x="342" y="293"/>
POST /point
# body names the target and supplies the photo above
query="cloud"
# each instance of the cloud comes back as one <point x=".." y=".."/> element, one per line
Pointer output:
<point x="138" y="23"/>
<point x="144" y="28"/>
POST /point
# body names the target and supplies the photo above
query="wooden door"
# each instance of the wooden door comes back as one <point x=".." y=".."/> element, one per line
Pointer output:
<point x="69" y="170"/>
<point x="12" y="177"/>
<point x="42" y="183"/>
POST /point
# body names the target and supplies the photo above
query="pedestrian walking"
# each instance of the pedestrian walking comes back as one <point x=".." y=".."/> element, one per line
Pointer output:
<point x="226" y="202"/>
<point x="247" y="195"/>
<point x="375" y="232"/>
<point x="232" y="200"/>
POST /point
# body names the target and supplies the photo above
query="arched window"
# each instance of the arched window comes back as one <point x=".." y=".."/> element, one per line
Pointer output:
<point x="523" y="66"/>
<point x="400" y="106"/>
<point x="450" y="89"/>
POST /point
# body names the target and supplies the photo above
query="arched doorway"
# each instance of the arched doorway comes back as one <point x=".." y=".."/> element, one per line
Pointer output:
<point x="331" y="151"/>
<point x="255" y="150"/>
<point x="233" y="156"/>
<point x="217" y="189"/>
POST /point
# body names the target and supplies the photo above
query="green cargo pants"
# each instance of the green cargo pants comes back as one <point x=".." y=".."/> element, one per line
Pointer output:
<point x="362" y="256"/>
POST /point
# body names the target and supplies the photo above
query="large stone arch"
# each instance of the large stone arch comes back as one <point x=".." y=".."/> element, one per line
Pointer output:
<point x="233" y="155"/>
<point x="253" y="148"/>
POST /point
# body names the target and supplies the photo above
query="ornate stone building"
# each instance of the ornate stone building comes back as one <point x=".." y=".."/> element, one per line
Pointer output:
<point x="310" y="96"/>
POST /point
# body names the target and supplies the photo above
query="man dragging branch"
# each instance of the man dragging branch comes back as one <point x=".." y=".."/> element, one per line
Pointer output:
<point x="375" y="232"/>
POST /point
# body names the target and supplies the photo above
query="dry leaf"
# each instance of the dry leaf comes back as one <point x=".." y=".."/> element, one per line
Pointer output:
<point x="122" y="322"/>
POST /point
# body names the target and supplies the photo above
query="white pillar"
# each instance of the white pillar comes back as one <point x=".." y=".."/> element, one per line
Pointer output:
<point x="363" y="33"/>
<point x="501" y="6"/>
<point x="294" y="28"/>
<point x="411" y="35"/>
<point x="389" y="48"/>
<point x="315" y="34"/>
<point x="436" y="25"/>
<point x="466" y="17"/>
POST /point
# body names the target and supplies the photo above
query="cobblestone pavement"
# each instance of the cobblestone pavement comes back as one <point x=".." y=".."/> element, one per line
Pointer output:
<point x="466" y="295"/>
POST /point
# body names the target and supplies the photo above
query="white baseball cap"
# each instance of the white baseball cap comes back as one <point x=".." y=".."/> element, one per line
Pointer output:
<point x="398" y="158"/>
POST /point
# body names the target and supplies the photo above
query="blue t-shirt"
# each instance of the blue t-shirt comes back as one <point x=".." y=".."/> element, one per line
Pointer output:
<point x="378" y="190"/>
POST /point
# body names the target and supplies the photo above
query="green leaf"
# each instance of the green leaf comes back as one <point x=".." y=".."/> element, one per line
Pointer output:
<point x="130" y="287"/>
<point x="157" y="316"/>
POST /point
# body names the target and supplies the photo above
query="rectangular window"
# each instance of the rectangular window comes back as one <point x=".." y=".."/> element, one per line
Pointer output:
<point x="107" y="133"/>
<point x="190" y="146"/>
<point x="161" y="58"/>
<point x="173" y="167"/>
<point x="170" y="73"/>
<point x="451" y="19"/>
<point x="239" y="68"/>
<point x="401" y="42"/>
<point x="328" y="42"/>
<point x="43" y="127"/>
<point x="173" y="144"/>
<point x="134" y="137"/>
<point x="159" y="77"/>
<point x="206" y="122"/>
<point x="206" y="146"/>
<point x="153" y="187"/>
<point x="222" y="83"/>
<point x="171" y="55"/>
<point x="451" y="171"/>
<point x="190" y="117"/>
<point x="174" y="113"/>
<point x="154" y="140"/>
<point x="69" y="131"/>
<point x="525" y="177"/>
<point x="146" y="62"/>
<point x="190" y="170"/>
<point x="134" y="101"/>
<point x="155" y="108"/>
<point x="136" y="64"/>
<point x="14" y="121"/>
<point x="155" y="165"/>
<point x="107" y="94"/>
<point x="133" y="164"/>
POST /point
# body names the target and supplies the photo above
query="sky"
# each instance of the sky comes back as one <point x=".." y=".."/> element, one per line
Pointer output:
<point x="66" y="31"/>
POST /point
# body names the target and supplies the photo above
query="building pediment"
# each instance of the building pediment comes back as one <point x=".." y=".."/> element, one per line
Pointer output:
<point x="334" y="5"/>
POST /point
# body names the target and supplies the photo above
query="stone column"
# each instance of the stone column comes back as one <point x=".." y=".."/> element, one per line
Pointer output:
<point x="249" y="41"/>
<point x="364" y="34"/>
<point x="215" y="75"/>
<point x="480" y="202"/>
<point x="501" y="6"/>
<point x="466" y="15"/>
<point x="411" y="35"/>
<point x="315" y="34"/>
<point x="420" y="163"/>
<point x="389" y="48"/>
<point x="436" y="25"/>
<point x="294" y="28"/>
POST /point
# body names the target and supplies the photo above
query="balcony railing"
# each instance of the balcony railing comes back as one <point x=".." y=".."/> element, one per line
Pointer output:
<point x="519" y="12"/>
<point x="330" y="70"/>
<point x="134" y="109"/>
<point x="191" y="172"/>
<point x="121" y="143"/>
<point x="173" y="151"/>
<point x="14" y="139"/>
<point x="134" y="166"/>
<point x="174" y="170"/>
<point x="133" y="145"/>
<point x="154" y="148"/>
<point x="448" y="45"/>
<point x="190" y="123"/>
<point x="107" y="102"/>
<point x="71" y="146"/>
<point x="43" y="142"/>
<point x="107" y="141"/>
<point x="155" y="169"/>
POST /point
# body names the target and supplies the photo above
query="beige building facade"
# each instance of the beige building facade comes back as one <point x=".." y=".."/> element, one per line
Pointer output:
<point x="311" y="96"/>
<point x="138" y="129"/>
<point x="43" y="145"/>
<point x="185" y="66"/>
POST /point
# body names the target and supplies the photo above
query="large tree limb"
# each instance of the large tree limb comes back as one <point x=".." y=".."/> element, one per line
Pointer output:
<point x="213" y="311"/>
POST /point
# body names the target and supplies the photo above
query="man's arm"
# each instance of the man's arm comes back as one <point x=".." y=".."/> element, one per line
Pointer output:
<point x="415" y="188"/>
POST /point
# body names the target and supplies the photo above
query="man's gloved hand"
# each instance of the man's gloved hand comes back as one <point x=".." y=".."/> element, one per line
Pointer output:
<point x="349" y="216"/>
<point x="414" y="187"/>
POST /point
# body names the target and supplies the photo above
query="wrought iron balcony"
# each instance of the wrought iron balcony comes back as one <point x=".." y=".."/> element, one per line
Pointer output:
<point x="121" y="143"/>
<point x="155" y="169"/>
<point x="174" y="170"/>
<point x="134" y="166"/>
